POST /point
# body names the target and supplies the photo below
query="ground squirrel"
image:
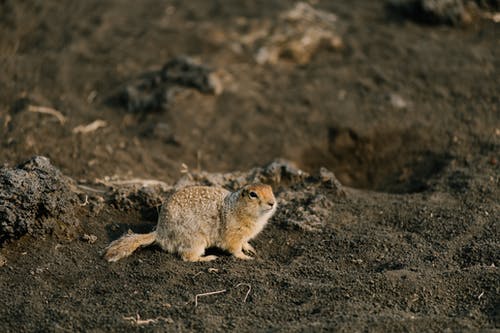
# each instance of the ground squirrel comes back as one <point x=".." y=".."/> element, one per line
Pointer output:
<point x="195" y="218"/>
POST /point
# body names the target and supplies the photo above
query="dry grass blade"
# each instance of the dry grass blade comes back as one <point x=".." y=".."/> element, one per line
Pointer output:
<point x="207" y="294"/>
<point x="248" y="291"/>
<point x="7" y="121"/>
<point x="134" y="181"/>
<point x="47" y="110"/>
<point x="86" y="202"/>
<point x="91" y="189"/>
<point x="93" y="126"/>
<point x="140" y="322"/>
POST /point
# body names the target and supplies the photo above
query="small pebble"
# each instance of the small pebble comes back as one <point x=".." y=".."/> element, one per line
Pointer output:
<point x="89" y="238"/>
<point x="3" y="260"/>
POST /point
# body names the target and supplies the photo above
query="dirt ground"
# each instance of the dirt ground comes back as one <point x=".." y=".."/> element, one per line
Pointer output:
<point x="403" y="111"/>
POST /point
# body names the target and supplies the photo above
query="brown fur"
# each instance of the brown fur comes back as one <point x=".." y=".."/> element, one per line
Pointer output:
<point x="198" y="217"/>
<point x="125" y="245"/>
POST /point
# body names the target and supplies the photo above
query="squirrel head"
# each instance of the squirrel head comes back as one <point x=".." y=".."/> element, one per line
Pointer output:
<point x="258" y="200"/>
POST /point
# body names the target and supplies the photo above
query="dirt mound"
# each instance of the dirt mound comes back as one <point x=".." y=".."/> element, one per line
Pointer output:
<point x="35" y="199"/>
<point x="305" y="200"/>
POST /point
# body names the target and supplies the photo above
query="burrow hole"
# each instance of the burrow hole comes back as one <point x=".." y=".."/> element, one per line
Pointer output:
<point x="394" y="161"/>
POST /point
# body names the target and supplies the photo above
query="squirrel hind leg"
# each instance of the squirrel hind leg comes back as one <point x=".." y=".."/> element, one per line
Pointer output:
<point x="127" y="244"/>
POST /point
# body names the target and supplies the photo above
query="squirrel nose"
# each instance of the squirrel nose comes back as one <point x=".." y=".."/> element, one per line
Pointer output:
<point x="271" y="203"/>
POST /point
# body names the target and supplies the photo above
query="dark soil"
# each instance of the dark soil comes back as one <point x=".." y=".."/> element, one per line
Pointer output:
<point x="405" y="115"/>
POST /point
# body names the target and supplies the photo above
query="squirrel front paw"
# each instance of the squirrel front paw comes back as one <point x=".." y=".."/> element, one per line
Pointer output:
<point x="249" y="248"/>
<point x="241" y="255"/>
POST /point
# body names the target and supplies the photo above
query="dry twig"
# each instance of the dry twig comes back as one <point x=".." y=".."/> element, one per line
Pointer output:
<point x="197" y="274"/>
<point x="248" y="291"/>
<point x="86" y="202"/>
<point x="134" y="181"/>
<point x="93" y="126"/>
<point x="7" y="121"/>
<point x="47" y="110"/>
<point x="139" y="322"/>
<point x="495" y="17"/>
<point x="88" y="188"/>
<point x="207" y="294"/>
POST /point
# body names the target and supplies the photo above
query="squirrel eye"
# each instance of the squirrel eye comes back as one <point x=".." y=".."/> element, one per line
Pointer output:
<point x="252" y="194"/>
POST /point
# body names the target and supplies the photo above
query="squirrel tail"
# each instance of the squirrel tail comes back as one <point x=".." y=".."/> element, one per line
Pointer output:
<point x="127" y="244"/>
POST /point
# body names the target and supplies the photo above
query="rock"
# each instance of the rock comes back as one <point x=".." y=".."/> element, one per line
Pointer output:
<point x="298" y="34"/>
<point x="397" y="101"/>
<point x="453" y="12"/>
<point x="185" y="72"/>
<point x="329" y="180"/>
<point x="35" y="198"/>
<point x="3" y="260"/>
<point x="91" y="239"/>
<point x="153" y="91"/>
